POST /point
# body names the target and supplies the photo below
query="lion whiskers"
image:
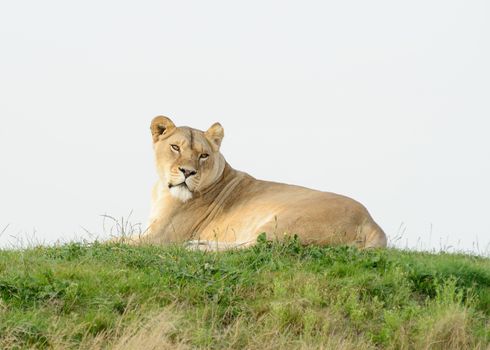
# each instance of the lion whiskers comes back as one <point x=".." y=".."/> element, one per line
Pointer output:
<point x="192" y="182"/>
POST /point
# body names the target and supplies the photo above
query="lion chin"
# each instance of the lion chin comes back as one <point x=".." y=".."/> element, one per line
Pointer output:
<point x="181" y="192"/>
<point x="230" y="209"/>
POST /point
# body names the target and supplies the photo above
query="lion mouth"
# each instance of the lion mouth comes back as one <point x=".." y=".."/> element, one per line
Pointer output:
<point x="180" y="191"/>
<point x="177" y="185"/>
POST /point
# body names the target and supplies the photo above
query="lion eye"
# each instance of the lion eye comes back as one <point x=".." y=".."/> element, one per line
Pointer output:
<point x="204" y="156"/>
<point x="175" y="148"/>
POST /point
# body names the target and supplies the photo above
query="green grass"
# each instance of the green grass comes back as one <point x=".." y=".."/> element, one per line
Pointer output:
<point x="274" y="295"/>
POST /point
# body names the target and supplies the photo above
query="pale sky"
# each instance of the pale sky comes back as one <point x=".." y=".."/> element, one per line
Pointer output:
<point x="384" y="101"/>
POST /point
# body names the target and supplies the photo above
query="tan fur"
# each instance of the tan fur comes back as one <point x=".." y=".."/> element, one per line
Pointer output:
<point x="230" y="208"/>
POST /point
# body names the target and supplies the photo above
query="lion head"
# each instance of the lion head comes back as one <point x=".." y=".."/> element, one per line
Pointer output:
<point x="188" y="160"/>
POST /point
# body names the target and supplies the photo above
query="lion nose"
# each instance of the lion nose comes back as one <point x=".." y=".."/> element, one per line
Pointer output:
<point x="187" y="172"/>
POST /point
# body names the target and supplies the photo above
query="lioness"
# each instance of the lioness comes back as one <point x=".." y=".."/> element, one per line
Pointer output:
<point x="200" y="199"/>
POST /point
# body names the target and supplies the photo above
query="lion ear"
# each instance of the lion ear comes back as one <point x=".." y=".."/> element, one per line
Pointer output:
<point x="161" y="125"/>
<point x="215" y="135"/>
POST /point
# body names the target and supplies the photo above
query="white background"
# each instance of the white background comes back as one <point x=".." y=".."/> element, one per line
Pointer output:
<point x="384" y="101"/>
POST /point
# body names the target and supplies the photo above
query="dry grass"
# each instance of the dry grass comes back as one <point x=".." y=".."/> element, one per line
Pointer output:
<point x="146" y="332"/>
<point x="153" y="334"/>
<point x="449" y="330"/>
<point x="169" y="330"/>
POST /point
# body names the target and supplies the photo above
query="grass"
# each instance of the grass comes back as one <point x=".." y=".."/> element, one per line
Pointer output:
<point x="274" y="295"/>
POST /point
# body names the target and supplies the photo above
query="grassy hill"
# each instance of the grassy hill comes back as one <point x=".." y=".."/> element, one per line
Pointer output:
<point x="275" y="295"/>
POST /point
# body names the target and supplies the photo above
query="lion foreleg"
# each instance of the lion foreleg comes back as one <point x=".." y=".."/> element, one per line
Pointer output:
<point x="215" y="246"/>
